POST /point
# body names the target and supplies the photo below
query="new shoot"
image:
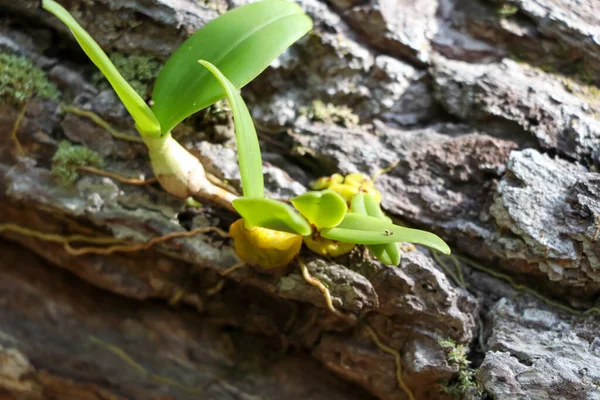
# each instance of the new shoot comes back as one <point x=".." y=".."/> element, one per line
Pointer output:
<point x="241" y="43"/>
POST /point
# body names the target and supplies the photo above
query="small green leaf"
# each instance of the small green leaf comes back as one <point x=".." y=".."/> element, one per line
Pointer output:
<point x="144" y="118"/>
<point x="247" y="142"/>
<point x="366" y="204"/>
<point x="323" y="209"/>
<point x="271" y="214"/>
<point x="362" y="229"/>
<point x="241" y="43"/>
<point x="357" y="204"/>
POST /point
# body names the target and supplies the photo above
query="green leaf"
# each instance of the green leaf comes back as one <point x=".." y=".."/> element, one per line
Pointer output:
<point x="271" y="214"/>
<point x="366" y="204"/>
<point x="241" y="43"/>
<point x="144" y="118"/>
<point x="247" y="142"/>
<point x="389" y="253"/>
<point x="362" y="229"/>
<point x="323" y="209"/>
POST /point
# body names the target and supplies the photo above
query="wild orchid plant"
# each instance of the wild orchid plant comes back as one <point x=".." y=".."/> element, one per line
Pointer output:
<point x="233" y="49"/>
<point x="240" y="43"/>
<point x="271" y="232"/>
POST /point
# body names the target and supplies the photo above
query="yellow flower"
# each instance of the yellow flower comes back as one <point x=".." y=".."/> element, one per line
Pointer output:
<point x="326" y="181"/>
<point x="264" y="248"/>
<point x="346" y="191"/>
<point x="359" y="181"/>
<point x="348" y="186"/>
<point x="326" y="247"/>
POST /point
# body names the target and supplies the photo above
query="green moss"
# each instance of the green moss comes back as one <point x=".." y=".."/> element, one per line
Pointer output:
<point x="139" y="71"/>
<point x="217" y="114"/>
<point x="68" y="157"/>
<point x="464" y="381"/>
<point x="220" y="7"/>
<point x="20" y="80"/>
<point x="588" y="93"/>
<point x="331" y="114"/>
<point x="507" y="10"/>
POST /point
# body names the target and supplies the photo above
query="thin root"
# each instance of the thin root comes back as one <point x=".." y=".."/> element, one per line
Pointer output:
<point x="397" y="357"/>
<point x="56" y="238"/>
<point x="193" y="390"/>
<point x="385" y="170"/>
<point x="445" y="267"/>
<point x="229" y="270"/>
<point x="142" y="246"/>
<point x="117" y="177"/>
<point x="319" y="285"/>
<point x="120" y="247"/>
<point x="216" y="289"/>
<point x="13" y="133"/>
<point x="219" y="183"/>
<point x="523" y="288"/>
<point x="293" y="317"/>
<point x="310" y="322"/>
<point x="101" y="123"/>
<point x="176" y="298"/>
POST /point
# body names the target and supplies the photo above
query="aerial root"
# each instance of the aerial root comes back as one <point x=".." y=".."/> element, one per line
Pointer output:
<point x="237" y="266"/>
<point x="117" y="177"/>
<point x="158" y="379"/>
<point x="319" y="285"/>
<point x="216" y="289"/>
<point x="527" y="289"/>
<point x="56" y="238"/>
<point x="385" y="170"/>
<point x="120" y="247"/>
<point x="459" y="279"/>
<point x="457" y="276"/>
<point x="143" y="246"/>
<point x="219" y="183"/>
<point x="397" y="357"/>
<point x="176" y="298"/>
<point x="13" y="133"/>
<point x="221" y="283"/>
<point x="101" y="123"/>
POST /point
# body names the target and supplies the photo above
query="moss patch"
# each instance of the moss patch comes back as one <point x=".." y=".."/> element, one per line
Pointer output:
<point x="20" y="80"/>
<point x="464" y="381"/>
<point x="331" y="114"/>
<point x="139" y="71"/>
<point x="68" y="157"/>
<point x="507" y="10"/>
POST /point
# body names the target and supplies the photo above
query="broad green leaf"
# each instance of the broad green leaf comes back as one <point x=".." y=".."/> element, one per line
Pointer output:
<point x="247" y="142"/>
<point x="323" y="209"/>
<point x="271" y="214"/>
<point x="241" y="43"/>
<point x="144" y="118"/>
<point x="366" y="204"/>
<point x="362" y="229"/>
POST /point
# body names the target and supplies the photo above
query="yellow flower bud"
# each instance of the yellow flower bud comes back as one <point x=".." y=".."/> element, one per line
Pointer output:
<point x="376" y="194"/>
<point x="326" y="247"/>
<point x="346" y="191"/>
<point x="264" y="248"/>
<point x="359" y="180"/>
<point x="326" y="181"/>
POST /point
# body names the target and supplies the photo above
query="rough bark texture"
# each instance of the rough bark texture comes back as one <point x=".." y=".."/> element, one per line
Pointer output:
<point x="491" y="109"/>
